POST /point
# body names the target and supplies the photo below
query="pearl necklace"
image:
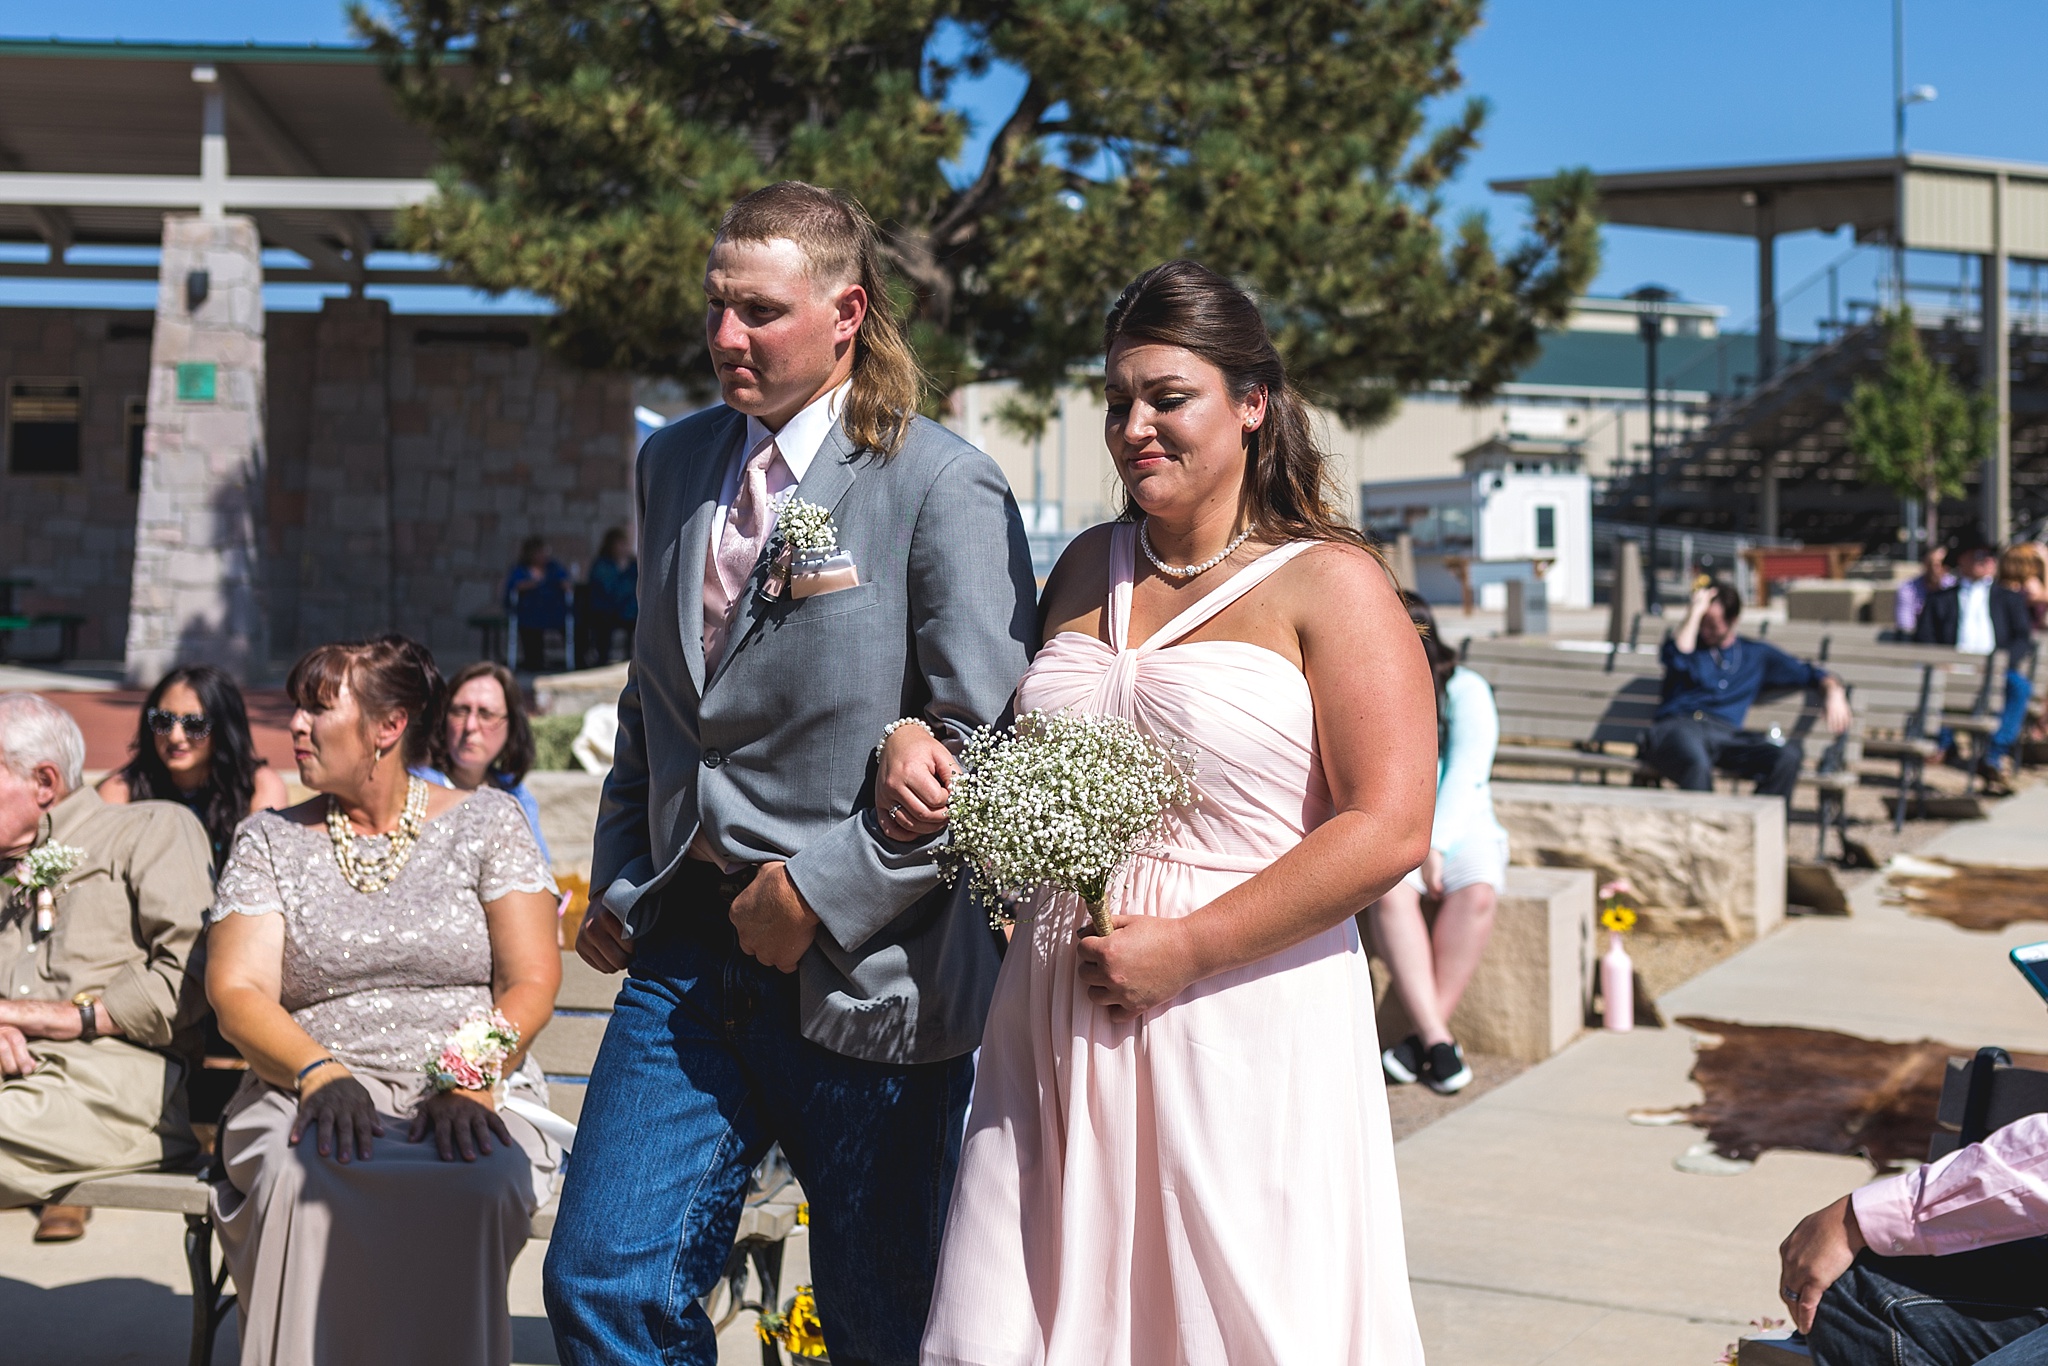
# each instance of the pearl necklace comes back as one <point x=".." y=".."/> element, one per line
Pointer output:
<point x="372" y="873"/>
<point x="1189" y="571"/>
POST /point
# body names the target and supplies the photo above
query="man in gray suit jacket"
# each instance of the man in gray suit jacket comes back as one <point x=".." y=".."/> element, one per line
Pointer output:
<point x="795" y="974"/>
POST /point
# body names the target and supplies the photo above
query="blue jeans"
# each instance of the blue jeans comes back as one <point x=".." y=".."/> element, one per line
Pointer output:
<point x="701" y="1069"/>
<point x="1989" y="1306"/>
<point x="2011" y="717"/>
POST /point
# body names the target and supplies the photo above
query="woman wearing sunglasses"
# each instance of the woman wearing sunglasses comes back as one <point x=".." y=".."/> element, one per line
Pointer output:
<point x="192" y="746"/>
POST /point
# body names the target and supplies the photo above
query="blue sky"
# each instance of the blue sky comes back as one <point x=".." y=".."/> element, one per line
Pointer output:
<point x="1612" y="84"/>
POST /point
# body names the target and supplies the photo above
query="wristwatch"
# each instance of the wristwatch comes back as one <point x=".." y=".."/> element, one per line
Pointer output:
<point x="88" y="1016"/>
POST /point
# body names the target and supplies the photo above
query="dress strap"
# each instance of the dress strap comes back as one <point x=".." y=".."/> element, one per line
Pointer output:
<point x="1123" y="554"/>
<point x="1239" y="584"/>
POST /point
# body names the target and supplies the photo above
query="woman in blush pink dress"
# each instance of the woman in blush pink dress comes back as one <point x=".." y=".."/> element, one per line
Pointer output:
<point x="1179" y="1149"/>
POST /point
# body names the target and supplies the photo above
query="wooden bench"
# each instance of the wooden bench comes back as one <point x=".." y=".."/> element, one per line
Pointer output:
<point x="1898" y="699"/>
<point x="565" y="1050"/>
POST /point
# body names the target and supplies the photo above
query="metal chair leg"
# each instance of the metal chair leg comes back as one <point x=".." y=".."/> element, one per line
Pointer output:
<point x="210" y="1303"/>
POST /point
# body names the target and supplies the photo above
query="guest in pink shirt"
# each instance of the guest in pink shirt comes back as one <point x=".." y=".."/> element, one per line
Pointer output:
<point x="1944" y="1265"/>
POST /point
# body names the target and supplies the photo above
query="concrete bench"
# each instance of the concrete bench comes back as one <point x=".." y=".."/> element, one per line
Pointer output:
<point x="1531" y="992"/>
<point x="565" y="1050"/>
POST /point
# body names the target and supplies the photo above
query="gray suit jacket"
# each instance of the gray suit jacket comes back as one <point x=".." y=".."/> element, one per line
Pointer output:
<point x="770" y="756"/>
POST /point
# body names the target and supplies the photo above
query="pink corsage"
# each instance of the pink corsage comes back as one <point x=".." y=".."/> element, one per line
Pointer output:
<point x="474" y="1057"/>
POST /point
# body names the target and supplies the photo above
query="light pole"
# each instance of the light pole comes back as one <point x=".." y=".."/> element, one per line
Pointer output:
<point x="1650" y="301"/>
<point x="1902" y="100"/>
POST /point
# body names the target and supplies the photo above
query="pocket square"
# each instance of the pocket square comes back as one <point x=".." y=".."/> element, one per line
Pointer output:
<point x="815" y="577"/>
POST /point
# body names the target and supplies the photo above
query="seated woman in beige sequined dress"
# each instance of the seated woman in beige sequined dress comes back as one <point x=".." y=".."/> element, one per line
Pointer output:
<point x="367" y="1210"/>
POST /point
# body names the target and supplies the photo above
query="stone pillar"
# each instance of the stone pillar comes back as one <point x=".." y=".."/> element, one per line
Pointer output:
<point x="196" y="596"/>
<point x="345" y="572"/>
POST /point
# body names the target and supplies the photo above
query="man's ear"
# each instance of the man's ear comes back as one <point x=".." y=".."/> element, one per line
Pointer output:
<point x="850" y="309"/>
<point x="49" y="785"/>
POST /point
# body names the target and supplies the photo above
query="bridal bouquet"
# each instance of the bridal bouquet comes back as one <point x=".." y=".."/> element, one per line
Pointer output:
<point x="1062" y="800"/>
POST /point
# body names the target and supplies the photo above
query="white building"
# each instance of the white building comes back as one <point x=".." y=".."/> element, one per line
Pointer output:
<point x="1523" y="509"/>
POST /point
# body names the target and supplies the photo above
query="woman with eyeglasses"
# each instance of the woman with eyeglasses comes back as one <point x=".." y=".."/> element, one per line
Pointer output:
<point x="484" y="738"/>
<point x="192" y="745"/>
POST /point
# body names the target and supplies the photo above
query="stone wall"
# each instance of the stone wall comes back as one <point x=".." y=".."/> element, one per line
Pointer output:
<point x="75" y="534"/>
<point x="1698" y="860"/>
<point x="408" y="455"/>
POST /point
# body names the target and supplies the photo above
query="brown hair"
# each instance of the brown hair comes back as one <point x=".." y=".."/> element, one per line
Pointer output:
<point x="2022" y="561"/>
<point x="388" y="674"/>
<point x="1443" y="660"/>
<point x="515" y="760"/>
<point x="1287" y="479"/>
<point x="842" y="246"/>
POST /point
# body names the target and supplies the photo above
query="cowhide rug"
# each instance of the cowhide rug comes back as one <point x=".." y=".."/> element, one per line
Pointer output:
<point x="1816" y="1091"/>
<point x="1972" y="896"/>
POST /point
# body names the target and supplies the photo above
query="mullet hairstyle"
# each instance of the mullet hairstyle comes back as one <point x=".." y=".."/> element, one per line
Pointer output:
<point x="1287" y="483"/>
<point x="388" y="674"/>
<point x="842" y="246"/>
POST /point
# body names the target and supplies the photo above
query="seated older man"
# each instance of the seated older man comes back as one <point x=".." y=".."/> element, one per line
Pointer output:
<point x="1711" y="679"/>
<point x="92" y="970"/>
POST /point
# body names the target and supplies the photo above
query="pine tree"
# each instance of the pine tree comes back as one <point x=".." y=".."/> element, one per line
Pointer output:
<point x="590" y="146"/>
<point x="1917" y="431"/>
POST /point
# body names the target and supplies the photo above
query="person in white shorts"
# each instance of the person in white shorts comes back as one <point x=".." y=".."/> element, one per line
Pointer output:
<point x="1465" y="873"/>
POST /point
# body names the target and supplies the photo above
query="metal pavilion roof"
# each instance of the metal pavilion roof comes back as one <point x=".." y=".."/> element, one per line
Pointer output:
<point x="123" y="109"/>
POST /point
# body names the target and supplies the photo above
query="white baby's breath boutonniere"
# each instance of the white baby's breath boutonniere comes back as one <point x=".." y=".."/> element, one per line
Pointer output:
<point x="39" y="872"/>
<point x="808" y="560"/>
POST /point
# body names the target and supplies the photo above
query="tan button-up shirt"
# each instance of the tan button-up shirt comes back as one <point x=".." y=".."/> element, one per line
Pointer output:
<point x="127" y="917"/>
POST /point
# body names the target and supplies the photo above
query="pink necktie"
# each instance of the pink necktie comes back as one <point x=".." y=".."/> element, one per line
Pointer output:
<point x="739" y="548"/>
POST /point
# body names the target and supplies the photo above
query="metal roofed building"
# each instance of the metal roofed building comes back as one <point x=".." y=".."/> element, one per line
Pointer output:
<point x="228" y="484"/>
<point x="1789" y="425"/>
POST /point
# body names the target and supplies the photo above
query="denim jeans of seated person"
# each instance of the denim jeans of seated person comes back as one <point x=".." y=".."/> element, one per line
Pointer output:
<point x="702" y="1068"/>
<point x="1983" y="1308"/>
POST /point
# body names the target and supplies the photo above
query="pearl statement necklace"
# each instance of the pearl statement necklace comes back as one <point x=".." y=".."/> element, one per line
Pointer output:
<point x="1189" y="571"/>
<point x="373" y="873"/>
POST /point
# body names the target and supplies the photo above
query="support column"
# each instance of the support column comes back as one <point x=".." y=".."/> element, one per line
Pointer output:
<point x="1768" y="503"/>
<point x="1766" y="287"/>
<point x="1996" y="367"/>
<point x="346" y="583"/>
<point x="196" y="596"/>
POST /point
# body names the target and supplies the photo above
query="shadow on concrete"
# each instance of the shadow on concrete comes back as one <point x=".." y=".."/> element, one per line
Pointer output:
<point x="533" y="1342"/>
<point x="120" y="1321"/>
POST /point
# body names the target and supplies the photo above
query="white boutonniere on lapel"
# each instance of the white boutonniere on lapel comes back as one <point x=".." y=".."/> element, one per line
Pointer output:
<point x="38" y="874"/>
<point x="807" y="559"/>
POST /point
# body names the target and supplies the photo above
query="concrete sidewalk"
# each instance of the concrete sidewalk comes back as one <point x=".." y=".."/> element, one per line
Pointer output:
<point x="1544" y="1227"/>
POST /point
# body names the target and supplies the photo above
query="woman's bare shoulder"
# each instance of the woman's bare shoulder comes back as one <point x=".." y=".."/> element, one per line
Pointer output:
<point x="113" y="790"/>
<point x="271" y="793"/>
<point x="1080" y="580"/>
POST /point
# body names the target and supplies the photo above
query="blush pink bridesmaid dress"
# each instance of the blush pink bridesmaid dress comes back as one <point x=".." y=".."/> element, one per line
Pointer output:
<point x="1214" y="1181"/>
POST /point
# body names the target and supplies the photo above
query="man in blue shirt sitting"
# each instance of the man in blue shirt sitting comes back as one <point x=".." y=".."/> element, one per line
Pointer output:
<point x="1711" y="677"/>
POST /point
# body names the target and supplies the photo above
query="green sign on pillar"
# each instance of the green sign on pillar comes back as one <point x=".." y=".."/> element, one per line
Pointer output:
<point x="195" y="381"/>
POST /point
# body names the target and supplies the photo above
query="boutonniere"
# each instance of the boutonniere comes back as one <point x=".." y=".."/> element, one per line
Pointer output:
<point x="807" y="559"/>
<point x="38" y="874"/>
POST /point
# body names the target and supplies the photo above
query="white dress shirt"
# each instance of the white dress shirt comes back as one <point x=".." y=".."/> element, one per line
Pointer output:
<point x="1974" y="635"/>
<point x="796" y="446"/>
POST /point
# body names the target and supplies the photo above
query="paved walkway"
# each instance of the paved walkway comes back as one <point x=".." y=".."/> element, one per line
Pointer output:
<point x="1543" y="1227"/>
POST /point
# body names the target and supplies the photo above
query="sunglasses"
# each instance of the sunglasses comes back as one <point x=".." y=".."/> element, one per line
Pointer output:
<point x="197" y="726"/>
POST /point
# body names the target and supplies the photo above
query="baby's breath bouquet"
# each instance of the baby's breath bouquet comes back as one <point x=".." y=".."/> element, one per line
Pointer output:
<point x="1062" y="800"/>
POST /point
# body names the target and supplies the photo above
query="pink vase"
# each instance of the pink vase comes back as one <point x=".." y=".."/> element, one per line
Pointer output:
<point x="1617" y="986"/>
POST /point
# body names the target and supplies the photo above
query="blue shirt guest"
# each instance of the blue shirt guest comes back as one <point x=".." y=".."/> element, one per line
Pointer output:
<point x="484" y="738"/>
<point x="1977" y="615"/>
<point x="1711" y="679"/>
<point x="537" y="596"/>
<point x="611" y="598"/>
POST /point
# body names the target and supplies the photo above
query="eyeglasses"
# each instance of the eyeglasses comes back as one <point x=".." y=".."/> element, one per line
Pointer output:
<point x="483" y="718"/>
<point x="197" y="726"/>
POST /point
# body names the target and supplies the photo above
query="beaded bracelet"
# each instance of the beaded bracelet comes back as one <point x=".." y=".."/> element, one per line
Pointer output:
<point x="898" y="724"/>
